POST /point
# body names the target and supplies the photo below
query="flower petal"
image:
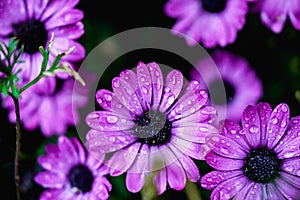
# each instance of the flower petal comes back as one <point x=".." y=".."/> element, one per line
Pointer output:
<point x="194" y="132"/>
<point x="127" y="96"/>
<point x="228" y="188"/>
<point x="108" y="121"/>
<point x="123" y="159"/>
<point x="176" y="176"/>
<point x="288" y="190"/>
<point x="264" y="111"/>
<point x="251" y="124"/>
<point x="277" y="125"/>
<point x="293" y="180"/>
<point x="291" y="134"/>
<point x="160" y="181"/>
<point x="188" y="104"/>
<point x="291" y="166"/>
<point x="225" y="146"/>
<point x="291" y="149"/>
<point x="255" y="192"/>
<point x="64" y="18"/>
<point x="273" y="192"/>
<point x="234" y="131"/>
<point x="174" y="82"/>
<point x="50" y="180"/>
<point x="212" y="179"/>
<point x="221" y="163"/>
<point x="157" y="84"/>
<point x="135" y="181"/>
<point x="100" y="142"/>
<point x="145" y="85"/>
<point x="50" y="194"/>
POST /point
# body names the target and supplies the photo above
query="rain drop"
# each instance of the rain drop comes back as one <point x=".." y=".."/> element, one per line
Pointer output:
<point x="112" y="119"/>
<point x="253" y="129"/>
<point x="171" y="99"/>
<point x="274" y="120"/>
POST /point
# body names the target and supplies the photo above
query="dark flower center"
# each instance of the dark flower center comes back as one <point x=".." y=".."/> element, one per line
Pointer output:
<point x="215" y="94"/>
<point x="214" y="6"/>
<point x="81" y="177"/>
<point x="153" y="128"/>
<point x="32" y="34"/>
<point x="262" y="165"/>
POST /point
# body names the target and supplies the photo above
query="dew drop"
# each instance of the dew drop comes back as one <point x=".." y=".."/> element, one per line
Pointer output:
<point x="283" y="123"/>
<point x="112" y="119"/>
<point x="253" y="129"/>
<point x="167" y="89"/>
<point x="233" y="131"/>
<point x="112" y="139"/>
<point x="274" y="120"/>
<point x="171" y="99"/>
<point x="284" y="108"/>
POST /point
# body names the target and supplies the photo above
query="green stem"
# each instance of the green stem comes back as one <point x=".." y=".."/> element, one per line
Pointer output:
<point x="34" y="81"/>
<point x="192" y="191"/>
<point x="18" y="146"/>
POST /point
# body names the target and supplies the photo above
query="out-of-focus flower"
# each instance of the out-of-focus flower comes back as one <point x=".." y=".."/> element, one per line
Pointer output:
<point x="211" y="22"/>
<point x="242" y="86"/>
<point x="275" y="13"/>
<point x="48" y="105"/>
<point x="259" y="160"/>
<point x="33" y="22"/>
<point x="72" y="173"/>
<point x="151" y="125"/>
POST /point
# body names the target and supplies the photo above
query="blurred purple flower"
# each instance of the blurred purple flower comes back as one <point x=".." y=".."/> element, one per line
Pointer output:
<point x="71" y="173"/>
<point x="259" y="160"/>
<point x="33" y="21"/>
<point x="212" y="22"/>
<point x="150" y="126"/>
<point x="48" y="104"/>
<point x="274" y="13"/>
<point x="242" y="86"/>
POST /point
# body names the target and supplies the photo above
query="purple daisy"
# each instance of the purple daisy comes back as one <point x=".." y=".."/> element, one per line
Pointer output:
<point x="32" y="22"/>
<point x="274" y="13"/>
<point x="259" y="160"/>
<point x="211" y="22"/>
<point x="149" y="126"/>
<point x="51" y="108"/>
<point x="72" y="173"/>
<point x="242" y="86"/>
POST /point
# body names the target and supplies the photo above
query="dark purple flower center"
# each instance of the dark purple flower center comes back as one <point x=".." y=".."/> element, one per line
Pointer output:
<point x="153" y="128"/>
<point x="215" y="94"/>
<point x="32" y="34"/>
<point x="81" y="177"/>
<point x="262" y="165"/>
<point x="214" y="6"/>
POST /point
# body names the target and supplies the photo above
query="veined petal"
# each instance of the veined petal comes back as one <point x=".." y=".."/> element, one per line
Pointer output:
<point x="157" y="84"/>
<point x="221" y="163"/>
<point x="277" y="125"/>
<point x="173" y="85"/>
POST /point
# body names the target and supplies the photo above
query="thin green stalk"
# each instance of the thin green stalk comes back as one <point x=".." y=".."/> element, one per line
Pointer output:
<point x="18" y="146"/>
<point x="192" y="191"/>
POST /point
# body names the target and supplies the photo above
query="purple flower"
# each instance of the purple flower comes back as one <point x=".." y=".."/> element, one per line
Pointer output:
<point x="149" y="126"/>
<point x="242" y="86"/>
<point x="274" y="13"/>
<point x="33" y="21"/>
<point x="211" y="22"/>
<point x="259" y="160"/>
<point x="71" y="173"/>
<point x="48" y="104"/>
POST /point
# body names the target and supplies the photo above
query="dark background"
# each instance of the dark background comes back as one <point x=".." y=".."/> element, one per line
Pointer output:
<point x="275" y="57"/>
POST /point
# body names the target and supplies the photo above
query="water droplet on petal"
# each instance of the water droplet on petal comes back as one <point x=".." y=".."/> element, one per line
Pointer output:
<point x="171" y="99"/>
<point x="112" y="119"/>
<point x="283" y="123"/>
<point x="167" y="89"/>
<point x="253" y="129"/>
<point x="274" y="120"/>
<point x="284" y="108"/>
<point x="112" y="139"/>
